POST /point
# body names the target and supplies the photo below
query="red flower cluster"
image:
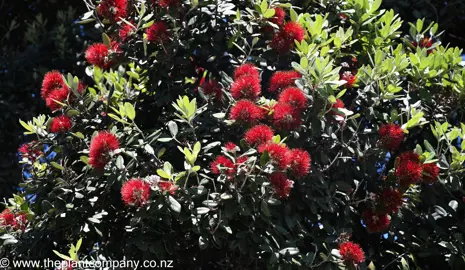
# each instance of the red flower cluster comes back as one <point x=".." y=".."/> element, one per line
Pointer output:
<point x="283" y="41"/>
<point x="351" y="253"/>
<point x="53" y="80"/>
<point x="230" y="147"/>
<point x="286" y="117"/>
<point x="338" y="105"/>
<point x="278" y="17"/>
<point x="212" y="88"/>
<point x="300" y="161"/>
<point x="100" y="148"/>
<point x="246" y="82"/>
<point x="167" y="186"/>
<point x="60" y="123"/>
<point x="408" y="169"/>
<point x="12" y="221"/>
<point x="100" y="55"/>
<point x="426" y="42"/>
<point x="391" y="136"/>
<point x="222" y="164"/>
<point x="126" y="31"/>
<point x="246" y="87"/>
<point x="278" y="154"/>
<point x="350" y="79"/>
<point x="430" y="172"/>
<point x="135" y="192"/>
<point x="245" y="111"/>
<point x="390" y="201"/>
<point x="246" y="70"/>
<point x="158" y="33"/>
<point x="294" y="97"/>
<point x="54" y="89"/>
<point x="30" y="151"/>
<point x="113" y="10"/>
<point x="258" y="135"/>
<point x="282" y="185"/>
<point x="375" y="222"/>
<point x="283" y="79"/>
<point x="167" y="3"/>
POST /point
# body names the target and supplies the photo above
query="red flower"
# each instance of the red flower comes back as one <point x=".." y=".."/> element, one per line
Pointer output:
<point x="283" y="79"/>
<point x="430" y="172"/>
<point x="375" y="222"/>
<point x="158" y="33"/>
<point x="246" y="111"/>
<point x="281" y="184"/>
<point x="294" y="31"/>
<point x="285" y="117"/>
<point x="391" y="136"/>
<point x="241" y="160"/>
<point x="408" y="169"/>
<point x="212" y="88"/>
<point x="278" y="17"/>
<point x="338" y="105"/>
<point x="60" y="123"/>
<point x="299" y="162"/>
<point x="294" y="97"/>
<point x="351" y="253"/>
<point x="342" y="16"/>
<point x="167" y="3"/>
<point x="426" y="42"/>
<point x="53" y="80"/>
<point x="135" y="192"/>
<point x="222" y="164"/>
<point x="168" y="186"/>
<point x="60" y="95"/>
<point x="29" y="151"/>
<point x="283" y="41"/>
<point x="98" y="54"/>
<point x="7" y="218"/>
<point x="20" y="222"/>
<point x="13" y="221"/>
<point x="113" y="10"/>
<point x="230" y="147"/>
<point x="100" y="148"/>
<point x="126" y="30"/>
<point x="350" y="79"/>
<point x="278" y="154"/>
<point x="390" y="200"/>
<point x="246" y="70"/>
<point x="247" y="87"/>
<point x="258" y="135"/>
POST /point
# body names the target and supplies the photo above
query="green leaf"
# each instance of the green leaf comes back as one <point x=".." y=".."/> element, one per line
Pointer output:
<point x="202" y="210"/>
<point x="163" y="174"/>
<point x="84" y="159"/>
<point x="106" y="40"/>
<point x="174" y="205"/>
<point x="173" y="127"/>
<point x="304" y="62"/>
<point x="120" y="162"/>
<point x="197" y="148"/>
<point x="269" y="13"/>
<point x="64" y="257"/>
<point x="294" y="15"/>
<point x="26" y="126"/>
<point x="130" y="111"/>
<point x="57" y="166"/>
<point x="161" y="152"/>
<point x="264" y="6"/>
<point x="289" y="250"/>
<point x="264" y="208"/>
